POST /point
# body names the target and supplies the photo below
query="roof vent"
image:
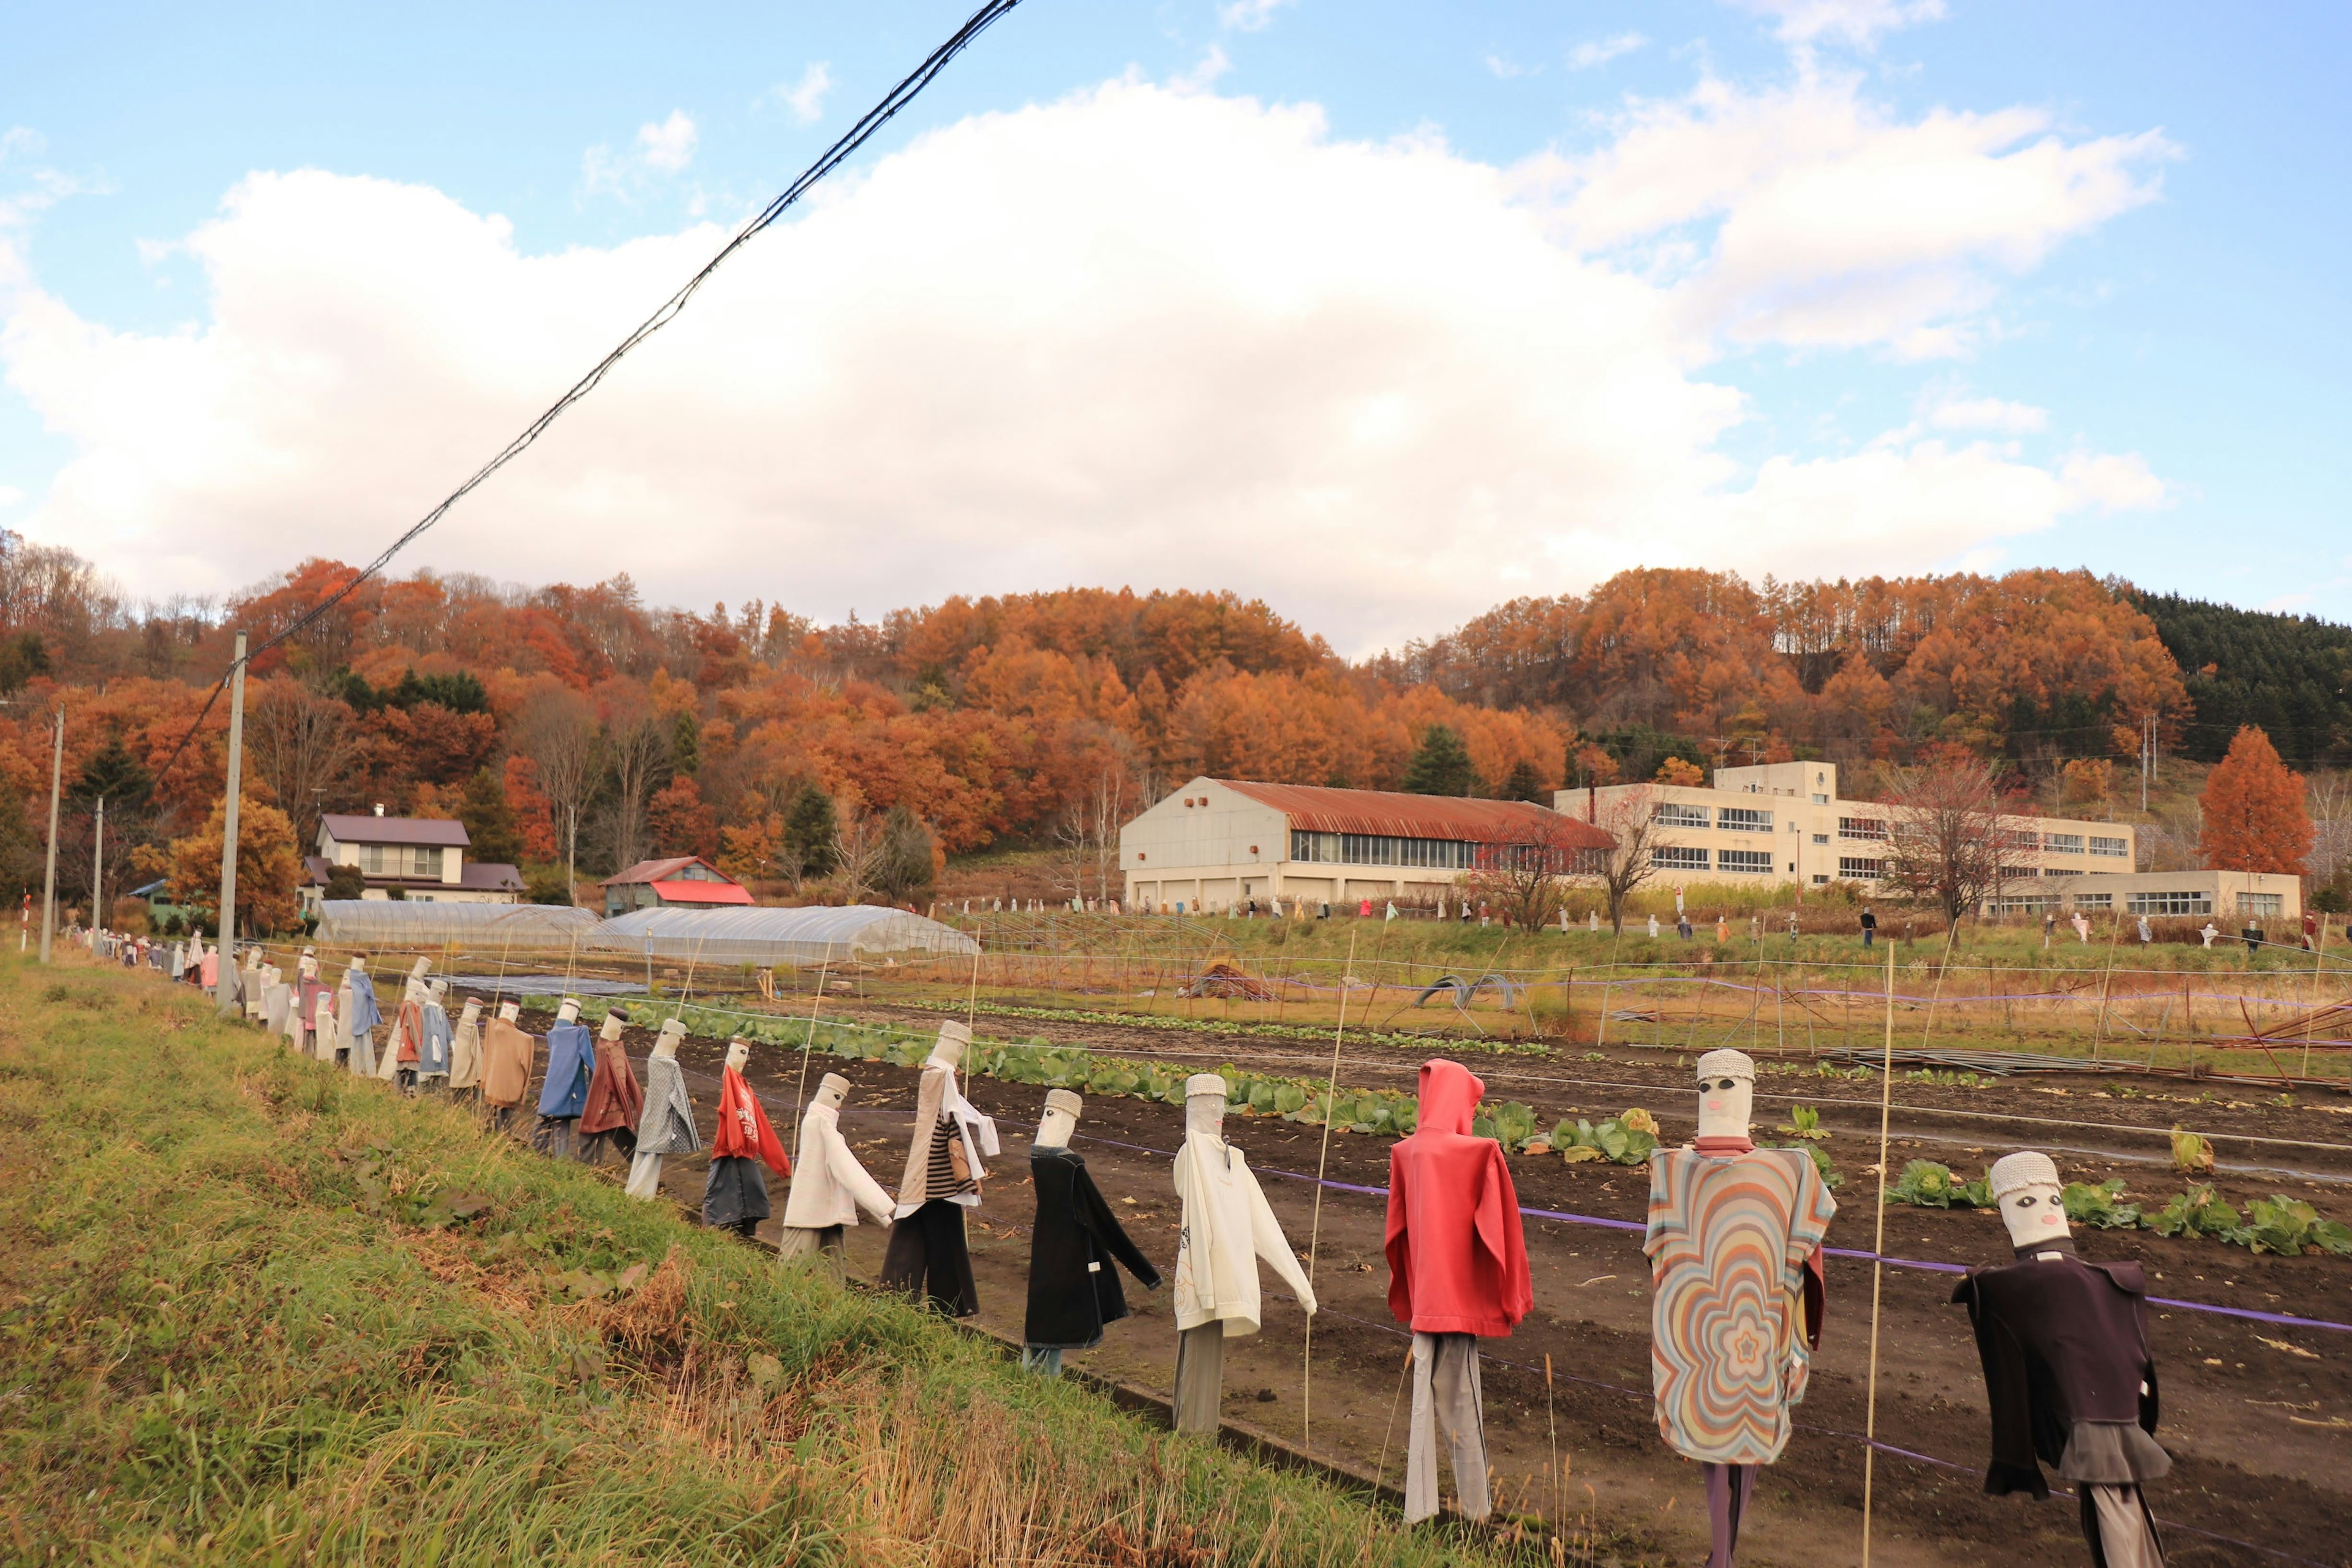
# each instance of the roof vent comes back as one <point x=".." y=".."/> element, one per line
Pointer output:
<point x="379" y="808"/>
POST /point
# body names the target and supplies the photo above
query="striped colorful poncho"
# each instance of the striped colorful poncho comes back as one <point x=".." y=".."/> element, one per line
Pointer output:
<point x="1728" y="1241"/>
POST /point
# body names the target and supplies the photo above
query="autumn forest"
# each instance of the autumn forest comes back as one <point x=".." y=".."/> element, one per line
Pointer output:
<point x="580" y="722"/>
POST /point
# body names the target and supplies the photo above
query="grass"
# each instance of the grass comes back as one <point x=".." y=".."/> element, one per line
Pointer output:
<point x="256" y="1311"/>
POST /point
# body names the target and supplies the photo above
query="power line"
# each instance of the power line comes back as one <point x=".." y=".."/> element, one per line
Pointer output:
<point x="857" y="136"/>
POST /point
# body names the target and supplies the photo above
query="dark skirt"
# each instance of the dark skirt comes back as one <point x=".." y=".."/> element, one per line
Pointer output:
<point x="927" y="1257"/>
<point x="735" y="1194"/>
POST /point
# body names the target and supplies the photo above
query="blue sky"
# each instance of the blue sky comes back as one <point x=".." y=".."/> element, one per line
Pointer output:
<point x="1494" y="320"/>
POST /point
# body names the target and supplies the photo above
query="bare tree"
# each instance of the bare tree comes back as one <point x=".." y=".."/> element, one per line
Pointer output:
<point x="558" y="735"/>
<point x="303" y="745"/>
<point x="1088" y="832"/>
<point x="1630" y="818"/>
<point x="637" y="755"/>
<point x="2330" y="805"/>
<point x="860" y="846"/>
<point x="1525" y="876"/>
<point x="1947" y="844"/>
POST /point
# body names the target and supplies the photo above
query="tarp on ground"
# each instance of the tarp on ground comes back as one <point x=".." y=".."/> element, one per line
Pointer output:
<point x="768" y="938"/>
<point x="479" y="928"/>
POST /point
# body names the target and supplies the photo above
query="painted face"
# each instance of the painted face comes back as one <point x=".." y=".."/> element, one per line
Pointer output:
<point x="2034" y="1214"/>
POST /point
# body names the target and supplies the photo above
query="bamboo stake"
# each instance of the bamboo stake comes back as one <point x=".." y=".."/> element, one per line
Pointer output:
<point x="799" y="1094"/>
<point x="1877" y="1264"/>
<point x="1315" y="1234"/>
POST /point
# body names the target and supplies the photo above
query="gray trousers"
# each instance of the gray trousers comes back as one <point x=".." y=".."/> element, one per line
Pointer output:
<point x="2115" y="1519"/>
<point x="1200" y="1378"/>
<point x="1445" y="1402"/>
<point x="819" y="1247"/>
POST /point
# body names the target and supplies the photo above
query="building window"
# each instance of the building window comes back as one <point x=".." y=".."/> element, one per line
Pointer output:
<point x="1379" y="849"/>
<point x="1820" y="878"/>
<point x="2173" y="902"/>
<point x="2269" y="904"/>
<point x="2029" y="904"/>
<point x="2113" y="849"/>
<point x="399" y="861"/>
<point x="1821" y="800"/>
<point x="1742" y="819"/>
<point x="2095" y="900"/>
<point x="1680" y="857"/>
<point x="1756" y="861"/>
<point x="2063" y="843"/>
<point x="2024" y="840"/>
<point x="2012" y="873"/>
<point x="1674" y="813"/>
<point x="1859" y="868"/>
<point x="1861" y="827"/>
<point x="1820" y="838"/>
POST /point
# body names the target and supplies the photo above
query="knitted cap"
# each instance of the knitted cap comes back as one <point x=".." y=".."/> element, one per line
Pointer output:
<point x="1726" y="1064"/>
<point x="1205" y="1083"/>
<point x="673" y="1028"/>
<point x="2014" y="1172"/>
<point x="1063" y="1099"/>
<point x="959" y="1033"/>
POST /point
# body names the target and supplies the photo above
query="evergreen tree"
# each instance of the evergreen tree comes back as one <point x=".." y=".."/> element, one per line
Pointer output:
<point x="1524" y="783"/>
<point x="907" y="871"/>
<point x="686" y="744"/>
<point x="490" y="820"/>
<point x="1441" y="765"/>
<point x="116" y="775"/>
<point x="809" y="829"/>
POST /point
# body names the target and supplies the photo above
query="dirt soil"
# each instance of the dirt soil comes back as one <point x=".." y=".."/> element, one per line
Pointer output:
<point x="2257" y="1416"/>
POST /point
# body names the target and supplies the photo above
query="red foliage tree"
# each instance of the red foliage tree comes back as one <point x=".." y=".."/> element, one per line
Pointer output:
<point x="2254" y="809"/>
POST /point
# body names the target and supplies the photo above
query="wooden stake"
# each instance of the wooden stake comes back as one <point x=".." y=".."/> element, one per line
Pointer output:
<point x="1315" y="1234"/>
<point x="799" y="1095"/>
<point x="1878" y="1266"/>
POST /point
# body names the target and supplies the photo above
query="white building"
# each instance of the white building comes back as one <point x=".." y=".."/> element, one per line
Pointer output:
<point x="2229" y="895"/>
<point x="1785" y="822"/>
<point x="1216" y="843"/>
<point x="422" y="856"/>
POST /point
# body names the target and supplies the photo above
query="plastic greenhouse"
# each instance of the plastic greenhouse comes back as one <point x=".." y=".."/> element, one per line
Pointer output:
<point x="483" y="928"/>
<point x="769" y="938"/>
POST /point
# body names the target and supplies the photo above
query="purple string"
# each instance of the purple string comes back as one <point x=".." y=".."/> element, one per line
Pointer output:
<point x="2282" y="1318"/>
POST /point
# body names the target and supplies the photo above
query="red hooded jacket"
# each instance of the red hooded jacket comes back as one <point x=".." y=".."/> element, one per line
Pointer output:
<point x="743" y="1132"/>
<point x="1458" y="1258"/>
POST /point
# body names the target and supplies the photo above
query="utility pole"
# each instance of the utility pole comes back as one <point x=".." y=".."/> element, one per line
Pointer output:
<point x="98" y="867"/>
<point x="224" y="991"/>
<point x="49" y="879"/>
<point x="2146" y="757"/>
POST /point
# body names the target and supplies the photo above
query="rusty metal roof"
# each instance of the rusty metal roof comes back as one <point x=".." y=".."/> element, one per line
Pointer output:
<point x="1314" y="808"/>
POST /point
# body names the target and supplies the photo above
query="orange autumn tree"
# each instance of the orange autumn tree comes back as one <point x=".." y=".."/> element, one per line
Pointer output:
<point x="268" y="867"/>
<point x="2253" y="810"/>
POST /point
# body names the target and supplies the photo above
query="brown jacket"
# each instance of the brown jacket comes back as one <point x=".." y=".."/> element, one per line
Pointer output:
<point x="507" y="1057"/>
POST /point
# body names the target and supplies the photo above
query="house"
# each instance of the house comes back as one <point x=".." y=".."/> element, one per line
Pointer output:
<point x="421" y="858"/>
<point x="1217" y="843"/>
<point x="1785" y="822"/>
<point x="680" y="879"/>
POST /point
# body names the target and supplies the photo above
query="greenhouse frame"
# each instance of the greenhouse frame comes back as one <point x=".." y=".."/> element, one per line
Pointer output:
<point x="773" y="938"/>
<point x="484" y="928"/>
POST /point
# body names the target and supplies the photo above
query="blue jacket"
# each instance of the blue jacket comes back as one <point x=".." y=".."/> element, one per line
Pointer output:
<point x="571" y="1056"/>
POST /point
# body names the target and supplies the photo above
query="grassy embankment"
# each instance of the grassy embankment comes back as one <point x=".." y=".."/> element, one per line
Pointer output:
<point x="256" y="1310"/>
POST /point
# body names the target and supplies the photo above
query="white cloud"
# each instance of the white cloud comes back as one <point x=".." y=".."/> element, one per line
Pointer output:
<point x="1988" y="413"/>
<point x="1808" y="216"/>
<point x="662" y="149"/>
<point x="10" y="495"/>
<point x="1249" y="15"/>
<point x="668" y="146"/>
<point x="1507" y="70"/>
<point x="1139" y="335"/>
<point x="1855" y="22"/>
<point x="1601" y="52"/>
<point x="805" y="98"/>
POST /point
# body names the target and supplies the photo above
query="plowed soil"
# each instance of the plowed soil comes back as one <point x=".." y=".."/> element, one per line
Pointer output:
<point x="2258" y="1416"/>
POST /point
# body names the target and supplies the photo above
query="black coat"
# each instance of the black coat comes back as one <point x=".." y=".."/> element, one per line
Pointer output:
<point x="2064" y="1346"/>
<point x="1073" y="1290"/>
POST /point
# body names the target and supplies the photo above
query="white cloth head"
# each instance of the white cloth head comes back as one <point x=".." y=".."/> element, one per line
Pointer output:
<point x="1205" y="1083"/>
<point x="1726" y="1112"/>
<point x="1726" y="1064"/>
<point x="2024" y="1169"/>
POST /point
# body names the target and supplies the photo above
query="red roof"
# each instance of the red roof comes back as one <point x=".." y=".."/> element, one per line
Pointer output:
<point x="703" y="893"/>
<point x="1314" y="808"/>
<point x="662" y="870"/>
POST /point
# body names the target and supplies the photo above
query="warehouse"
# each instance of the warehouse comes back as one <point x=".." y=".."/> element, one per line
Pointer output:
<point x="1217" y="843"/>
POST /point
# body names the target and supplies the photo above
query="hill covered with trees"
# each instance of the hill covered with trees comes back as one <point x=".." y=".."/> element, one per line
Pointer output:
<point x="566" y="719"/>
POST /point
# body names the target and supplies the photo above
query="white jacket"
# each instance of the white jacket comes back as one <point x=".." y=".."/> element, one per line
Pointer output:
<point x="829" y="1187"/>
<point x="1227" y="1228"/>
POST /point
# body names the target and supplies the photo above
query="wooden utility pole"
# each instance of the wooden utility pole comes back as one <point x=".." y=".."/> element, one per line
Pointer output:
<point x="98" y="867"/>
<point x="225" y="990"/>
<point x="49" y="877"/>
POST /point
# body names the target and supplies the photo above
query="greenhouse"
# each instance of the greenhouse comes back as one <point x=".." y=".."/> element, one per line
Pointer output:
<point x="771" y="938"/>
<point x="482" y="928"/>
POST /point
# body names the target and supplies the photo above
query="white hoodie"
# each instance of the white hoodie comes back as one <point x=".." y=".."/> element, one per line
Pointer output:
<point x="1227" y="1228"/>
<point x="829" y="1187"/>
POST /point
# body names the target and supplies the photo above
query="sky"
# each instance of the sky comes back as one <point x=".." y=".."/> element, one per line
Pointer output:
<point x="1383" y="313"/>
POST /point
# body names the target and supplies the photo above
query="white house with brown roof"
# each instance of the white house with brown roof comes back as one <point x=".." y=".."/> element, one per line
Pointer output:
<point x="421" y="858"/>
<point x="1216" y="843"/>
